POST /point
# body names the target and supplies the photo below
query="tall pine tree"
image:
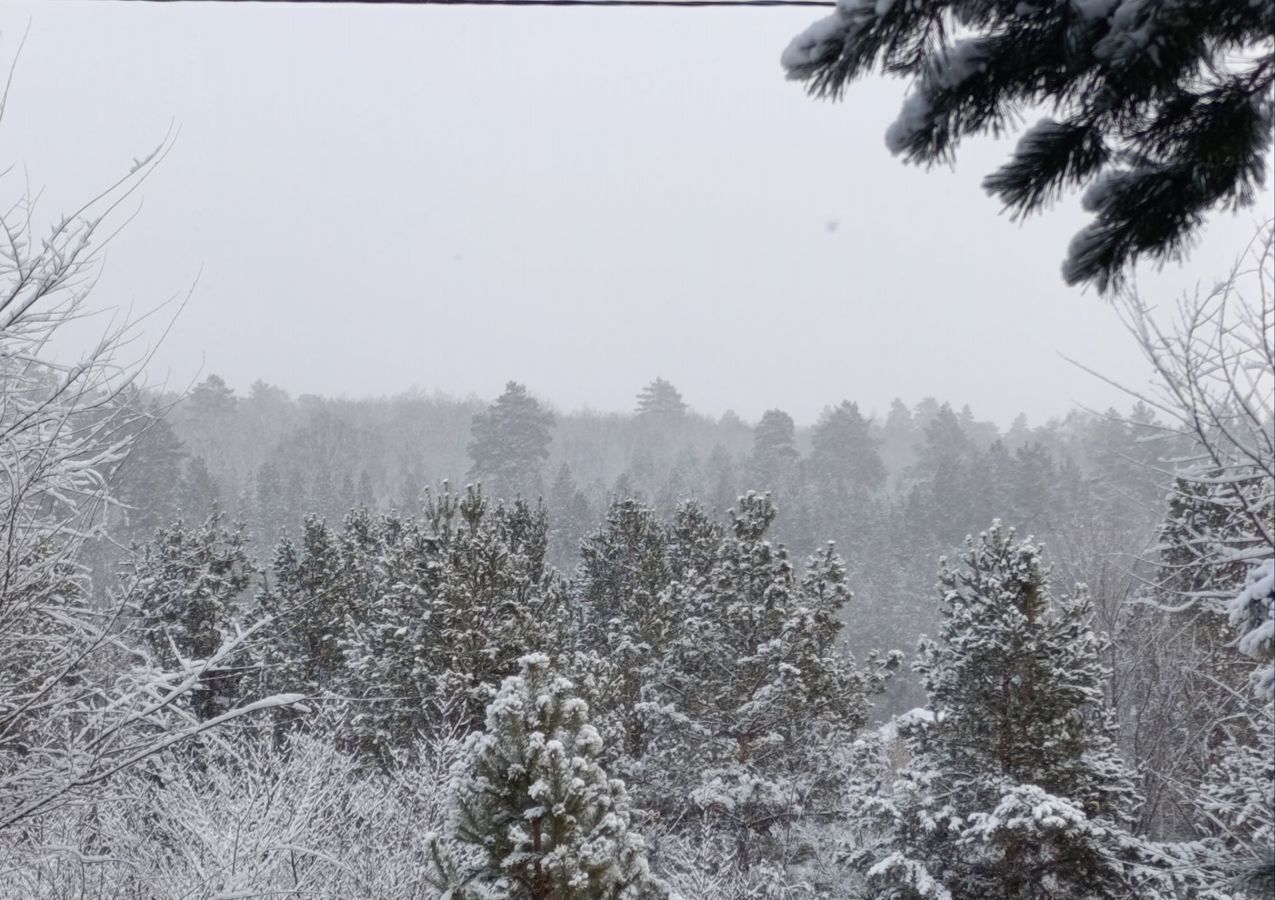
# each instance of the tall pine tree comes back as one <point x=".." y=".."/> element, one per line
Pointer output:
<point x="539" y="816"/>
<point x="1014" y="788"/>
<point x="510" y="442"/>
<point x="185" y="587"/>
<point x="754" y="689"/>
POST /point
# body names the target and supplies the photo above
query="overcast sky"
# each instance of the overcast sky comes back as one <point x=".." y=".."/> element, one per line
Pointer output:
<point x="579" y="199"/>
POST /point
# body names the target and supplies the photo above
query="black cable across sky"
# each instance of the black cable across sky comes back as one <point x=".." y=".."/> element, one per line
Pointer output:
<point x="666" y="4"/>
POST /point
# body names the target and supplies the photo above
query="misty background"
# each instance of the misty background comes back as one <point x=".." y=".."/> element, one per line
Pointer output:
<point x="380" y="198"/>
<point x="543" y="453"/>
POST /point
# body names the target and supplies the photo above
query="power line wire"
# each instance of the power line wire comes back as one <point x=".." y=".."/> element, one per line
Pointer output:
<point x="666" y="4"/>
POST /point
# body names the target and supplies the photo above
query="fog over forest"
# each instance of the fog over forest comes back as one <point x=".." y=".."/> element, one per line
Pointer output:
<point x="545" y="454"/>
<point x="892" y="495"/>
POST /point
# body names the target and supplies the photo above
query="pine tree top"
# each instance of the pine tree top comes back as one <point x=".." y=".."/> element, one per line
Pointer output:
<point x="660" y="399"/>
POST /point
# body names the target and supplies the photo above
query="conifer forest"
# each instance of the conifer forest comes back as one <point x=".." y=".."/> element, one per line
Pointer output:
<point x="425" y="644"/>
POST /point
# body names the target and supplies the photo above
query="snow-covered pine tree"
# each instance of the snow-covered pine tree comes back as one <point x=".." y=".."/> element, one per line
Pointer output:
<point x="621" y="625"/>
<point x="208" y="413"/>
<point x="1163" y="109"/>
<point x="624" y="562"/>
<point x="1014" y="788"/>
<point x="1179" y="724"/>
<point x="1238" y="794"/>
<point x="385" y="587"/>
<point x="499" y="600"/>
<point x="375" y="658"/>
<point x="302" y="591"/>
<point x="149" y="481"/>
<point x="1212" y="388"/>
<point x="1253" y="612"/>
<point x="198" y="494"/>
<point x="1205" y="540"/>
<point x="694" y="537"/>
<point x="567" y="528"/>
<point x="184" y="587"/>
<point x="389" y="611"/>
<point x="843" y="451"/>
<point x="1238" y="798"/>
<point x="753" y="689"/>
<point x="627" y="618"/>
<point x="947" y="470"/>
<point x="660" y="401"/>
<point x="540" y="817"/>
<point x="357" y="615"/>
<point x="775" y="453"/>
<point x="510" y="442"/>
<point x="272" y="512"/>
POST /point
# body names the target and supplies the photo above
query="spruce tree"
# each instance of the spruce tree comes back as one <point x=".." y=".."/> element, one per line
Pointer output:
<point x="212" y="399"/>
<point x="898" y="437"/>
<point x="843" y="452"/>
<point x="365" y="495"/>
<point x="1014" y="788"/>
<point x="273" y="512"/>
<point x="538" y="813"/>
<point x="493" y="599"/>
<point x="1196" y="575"/>
<point x="774" y="451"/>
<point x="209" y="414"/>
<point x="947" y="465"/>
<point x="392" y="609"/>
<point x="303" y="591"/>
<point x="185" y="586"/>
<point x="627" y="619"/>
<point x="510" y="442"/>
<point x="1032" y="482"/>
<point x="198" y="493"/>
<point x="623" y="624"/>
<point x="570" y="516"/>
<point x="1253" y="612"/>
<point x="660" y="401"/>
<point x="149" y="482"/>
<point x="1238" y="797"/>
<point x="1204" y="538"/>
<point x="1211" y="557"/>
<point x="623" y="564"/>
<point x="754" y="690"/>
<point x="720" y="479"/>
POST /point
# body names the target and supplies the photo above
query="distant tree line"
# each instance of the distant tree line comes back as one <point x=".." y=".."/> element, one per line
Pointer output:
<point x="893" y="494"/>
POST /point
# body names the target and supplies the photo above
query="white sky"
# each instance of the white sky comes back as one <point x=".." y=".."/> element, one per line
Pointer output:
<point x="580" y="199"/>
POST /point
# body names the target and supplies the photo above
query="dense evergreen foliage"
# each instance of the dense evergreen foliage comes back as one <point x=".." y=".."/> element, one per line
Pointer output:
<point x="256" y="646"/>
<point x="686" y="702"/>
<point x="511" y="442"/>
<point x="531" y="799"/>
<point x="1015" y="788"/>
<point x="892" y="494"/>
<point x="187" y="583"/>
<point x="1163" y="109"/>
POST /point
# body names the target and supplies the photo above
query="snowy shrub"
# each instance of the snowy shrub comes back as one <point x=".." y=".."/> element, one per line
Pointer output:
<point x="542" y="818"/>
